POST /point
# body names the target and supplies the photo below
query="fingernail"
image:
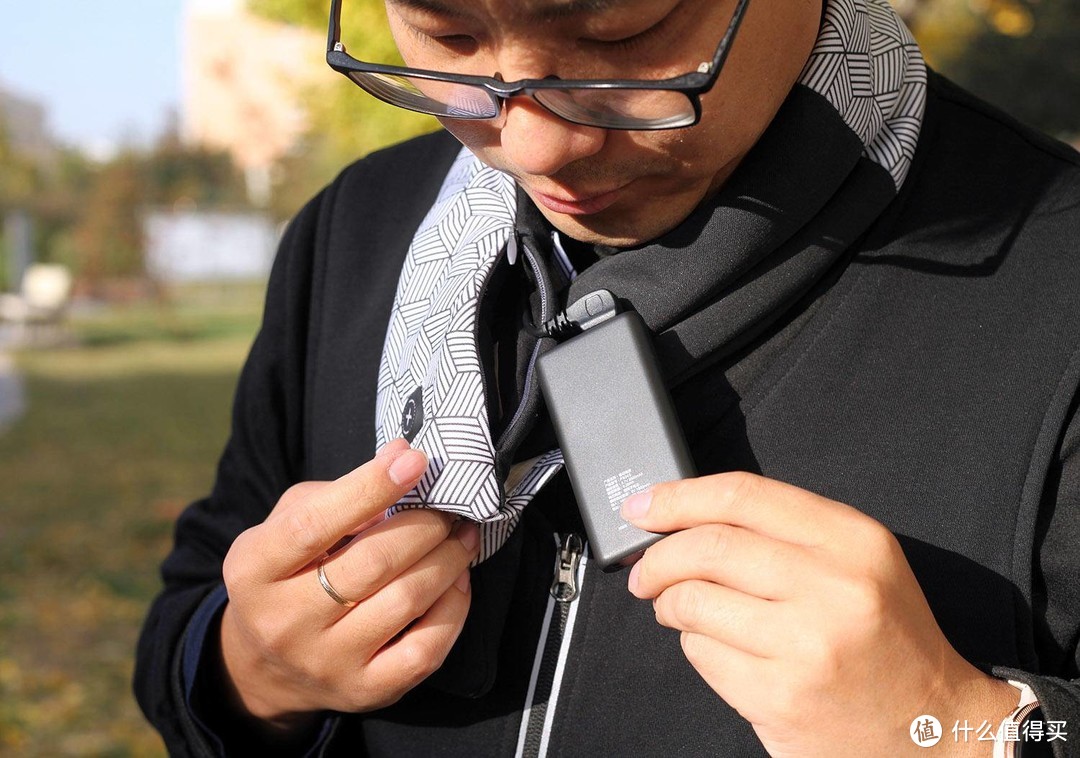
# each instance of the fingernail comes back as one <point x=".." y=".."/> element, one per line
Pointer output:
<point x="632" y="580"/>
<point x="407" y="467"/>
<point x="636" y="506"/>
<point x="469" y="534"/>
<point x="462" y="582"/>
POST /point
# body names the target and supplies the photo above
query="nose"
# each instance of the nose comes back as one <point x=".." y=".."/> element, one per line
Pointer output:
<point x="536" y="141"/>
<point x="539" y="143"/>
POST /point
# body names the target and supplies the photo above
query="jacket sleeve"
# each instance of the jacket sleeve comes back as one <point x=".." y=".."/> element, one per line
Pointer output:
<point x="365" y="218"/>
<point x="263" y="457"/>
<point x="1056" y="597"/>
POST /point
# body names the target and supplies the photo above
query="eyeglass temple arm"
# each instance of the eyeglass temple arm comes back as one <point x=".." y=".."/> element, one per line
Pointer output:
<point x="725" y="44"/>
<point x="333" y="36"/>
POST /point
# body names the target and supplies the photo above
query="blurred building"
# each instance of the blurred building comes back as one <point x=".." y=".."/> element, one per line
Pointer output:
<point x="193" y="246"/>
<point x="24" y="123"/>
<point x="244" y="79"/>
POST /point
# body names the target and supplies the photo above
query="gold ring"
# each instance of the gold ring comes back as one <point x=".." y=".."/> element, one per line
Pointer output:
<point x="334" y="594"/>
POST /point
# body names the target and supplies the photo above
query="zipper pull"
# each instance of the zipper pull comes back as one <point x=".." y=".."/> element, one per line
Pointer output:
<point x="512" y="248"/>
<point x="565" y="587"/>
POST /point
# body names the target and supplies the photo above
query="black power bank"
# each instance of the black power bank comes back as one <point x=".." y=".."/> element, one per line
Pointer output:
<point x="617" y="428"/>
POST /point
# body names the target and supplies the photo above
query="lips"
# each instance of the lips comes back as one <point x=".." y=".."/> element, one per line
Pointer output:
<point x="578" y="206"/>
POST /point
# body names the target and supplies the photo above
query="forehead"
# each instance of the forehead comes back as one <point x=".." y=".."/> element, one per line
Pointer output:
<point x="540" y="10"/>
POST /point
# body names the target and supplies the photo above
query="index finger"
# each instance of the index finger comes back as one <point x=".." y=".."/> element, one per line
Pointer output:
<point x="304" y="529"/>
<point x="767" y="506"/>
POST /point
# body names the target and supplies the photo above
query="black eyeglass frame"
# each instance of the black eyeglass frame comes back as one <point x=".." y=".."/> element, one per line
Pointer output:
<point x="692" y="85"/>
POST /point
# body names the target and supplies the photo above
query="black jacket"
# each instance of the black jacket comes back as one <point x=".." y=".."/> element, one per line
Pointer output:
<point x="930" y="380"/>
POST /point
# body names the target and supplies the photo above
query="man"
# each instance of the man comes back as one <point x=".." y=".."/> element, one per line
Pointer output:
<point x="863" y="286"/>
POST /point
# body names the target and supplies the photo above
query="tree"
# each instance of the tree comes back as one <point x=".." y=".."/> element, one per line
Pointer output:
<point x="345" y="123"/>
<point x="88" y="215"/>
<point x="106" y="237"/>
<point x="1022" y="55"/>
<point x="173" y="173"/>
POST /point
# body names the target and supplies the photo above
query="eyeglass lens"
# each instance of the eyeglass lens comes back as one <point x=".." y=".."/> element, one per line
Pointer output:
<point x="604" y="108"/>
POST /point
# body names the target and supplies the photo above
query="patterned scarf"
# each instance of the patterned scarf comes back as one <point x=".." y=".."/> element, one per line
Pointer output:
<point x="834" y="157"/>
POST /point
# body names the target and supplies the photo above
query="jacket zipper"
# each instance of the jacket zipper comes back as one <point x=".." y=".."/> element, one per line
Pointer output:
<point x="552" y="648"/>
<point x="546" y="312"/>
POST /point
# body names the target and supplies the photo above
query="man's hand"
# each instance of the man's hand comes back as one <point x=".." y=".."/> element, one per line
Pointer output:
<point x="289" y="649"/>
<point x="804" y="615"/>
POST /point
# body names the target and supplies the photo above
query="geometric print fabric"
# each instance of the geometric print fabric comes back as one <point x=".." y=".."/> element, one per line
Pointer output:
<point x="867" y="65"/>
<point x="431" y="371"/>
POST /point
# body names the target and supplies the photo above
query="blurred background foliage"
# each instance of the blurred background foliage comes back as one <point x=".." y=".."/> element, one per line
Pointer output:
<point x="126" y="417"/>
<point x="87" y="213"/>
<point x="345" y="123"/>
<point x="1023" y="55"/>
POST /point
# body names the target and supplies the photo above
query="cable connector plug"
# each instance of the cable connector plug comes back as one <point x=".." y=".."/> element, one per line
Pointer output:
<point x="584" y="313"/>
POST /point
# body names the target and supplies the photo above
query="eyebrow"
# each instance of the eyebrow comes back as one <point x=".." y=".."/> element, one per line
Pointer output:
<point x="550" y="12"/>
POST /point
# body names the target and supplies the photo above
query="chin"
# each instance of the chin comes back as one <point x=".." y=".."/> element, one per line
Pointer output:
<point x="620" y="230"/>
<point x="640" y="217"/>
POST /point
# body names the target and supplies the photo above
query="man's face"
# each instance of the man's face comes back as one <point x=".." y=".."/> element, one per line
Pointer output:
<point x="618" y="188"/>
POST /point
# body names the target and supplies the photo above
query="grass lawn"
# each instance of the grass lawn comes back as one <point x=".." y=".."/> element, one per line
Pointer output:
<point x="120" y="433"/>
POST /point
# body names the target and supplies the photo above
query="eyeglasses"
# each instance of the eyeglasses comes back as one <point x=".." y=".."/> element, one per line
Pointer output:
<point x="636" y="104"/>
